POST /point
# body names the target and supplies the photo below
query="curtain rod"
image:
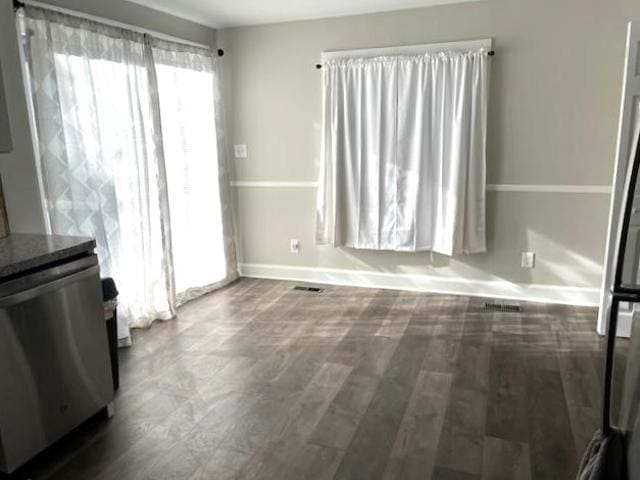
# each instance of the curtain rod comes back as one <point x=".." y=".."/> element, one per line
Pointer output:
<point x="418" y="49"/>
<point x="17" y="4"/>
<point x="491" y="53"/>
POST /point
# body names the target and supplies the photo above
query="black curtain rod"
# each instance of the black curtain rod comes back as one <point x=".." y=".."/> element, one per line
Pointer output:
<point x="491" y="53"/>
<point x="17" y="4"/>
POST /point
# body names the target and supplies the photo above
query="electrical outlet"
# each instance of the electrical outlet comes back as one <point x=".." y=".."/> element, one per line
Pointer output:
<point x="240" y="151"/>
<point x="294" y="245"/>
<point x="528" y="260"/>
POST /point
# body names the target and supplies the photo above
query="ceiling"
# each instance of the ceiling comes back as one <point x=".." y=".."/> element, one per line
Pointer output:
<point x="231" y="13"/>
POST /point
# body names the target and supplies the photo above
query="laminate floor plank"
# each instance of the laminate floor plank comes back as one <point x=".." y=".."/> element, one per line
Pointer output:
<point x="371" y="446"/>
<point x="340" y="422"/>
<point x="507" y="401"/>
<point x="551" y="442"/>
<point x="505" y="460"/>
<point x="415" y="446"/>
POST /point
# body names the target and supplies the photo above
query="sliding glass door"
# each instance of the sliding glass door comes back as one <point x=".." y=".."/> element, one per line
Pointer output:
<point x="128" y="135"/>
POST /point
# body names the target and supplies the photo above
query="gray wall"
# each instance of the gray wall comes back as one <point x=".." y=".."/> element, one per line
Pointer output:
<point x="555" y="89"/>
<point x="18" y="168"/>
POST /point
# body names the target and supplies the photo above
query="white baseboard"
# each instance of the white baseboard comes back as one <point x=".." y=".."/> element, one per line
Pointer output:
<point x="426" y="283"/>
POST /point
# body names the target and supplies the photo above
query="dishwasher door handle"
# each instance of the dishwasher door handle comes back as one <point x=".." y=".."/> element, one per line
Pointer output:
<point x="34" y="292"/>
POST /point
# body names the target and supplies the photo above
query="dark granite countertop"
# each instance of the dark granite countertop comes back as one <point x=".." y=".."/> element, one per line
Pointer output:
<point x="22" y="251"/>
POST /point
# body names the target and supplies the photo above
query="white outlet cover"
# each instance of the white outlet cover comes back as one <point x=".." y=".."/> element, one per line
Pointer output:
<point x="240" y="151"/>
<point x="294" y="245"/>
<point x="528" y="260"/>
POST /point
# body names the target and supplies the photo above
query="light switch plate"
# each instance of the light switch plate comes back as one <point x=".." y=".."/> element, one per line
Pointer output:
<point x="528" y="260"/>
<point x="240" y="151"/>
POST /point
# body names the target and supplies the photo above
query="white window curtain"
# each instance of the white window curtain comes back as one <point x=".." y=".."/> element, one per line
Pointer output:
<point x="196" y="183"/>
<point x="403" y="161"/>
<point x="110" y="129"/>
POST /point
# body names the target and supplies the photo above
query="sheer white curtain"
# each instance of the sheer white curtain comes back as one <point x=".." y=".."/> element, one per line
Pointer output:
<point x="99" y="158"/>
<point x="403" y="163"/>
<point x="196" y="182"/>
<point x="109" y="128"/>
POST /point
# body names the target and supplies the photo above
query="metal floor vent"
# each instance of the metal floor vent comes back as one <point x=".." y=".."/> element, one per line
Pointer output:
<point x="307" y="289"/>
<point x="503" y="307"/>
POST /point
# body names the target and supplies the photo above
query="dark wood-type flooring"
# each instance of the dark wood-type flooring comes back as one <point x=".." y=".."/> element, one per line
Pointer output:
<point x="258" y="381"/>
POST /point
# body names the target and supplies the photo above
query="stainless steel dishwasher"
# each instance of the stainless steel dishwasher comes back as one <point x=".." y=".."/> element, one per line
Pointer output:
<point x="54" y="360"/>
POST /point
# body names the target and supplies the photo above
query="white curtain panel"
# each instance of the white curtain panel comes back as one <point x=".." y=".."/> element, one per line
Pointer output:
<point x="197" y="184"/>
<point x="403" y="161"/>
<point x="109" y="131"/>
<point x="99" y="157"/>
